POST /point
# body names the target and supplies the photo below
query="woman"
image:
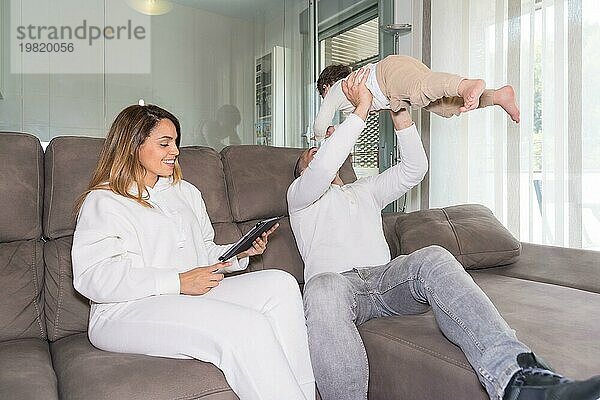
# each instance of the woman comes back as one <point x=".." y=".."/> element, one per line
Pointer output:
<point x="143" y="253"/>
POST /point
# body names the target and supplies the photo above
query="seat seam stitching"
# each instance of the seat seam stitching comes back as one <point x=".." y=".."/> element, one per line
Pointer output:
<point x="35" y="283"/>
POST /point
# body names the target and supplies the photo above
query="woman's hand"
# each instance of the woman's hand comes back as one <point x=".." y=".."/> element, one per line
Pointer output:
<point x="201" y="279"/>
<point x="259" y="245"/>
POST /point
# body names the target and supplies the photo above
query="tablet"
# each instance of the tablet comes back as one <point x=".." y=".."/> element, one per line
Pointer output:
<point x="246" y="241"/>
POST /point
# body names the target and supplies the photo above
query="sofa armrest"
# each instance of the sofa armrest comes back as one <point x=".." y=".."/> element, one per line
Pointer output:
<point x="575" y="268"/>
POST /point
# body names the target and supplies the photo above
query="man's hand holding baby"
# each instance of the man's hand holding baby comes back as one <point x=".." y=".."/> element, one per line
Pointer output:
<point x="355" y="89"/>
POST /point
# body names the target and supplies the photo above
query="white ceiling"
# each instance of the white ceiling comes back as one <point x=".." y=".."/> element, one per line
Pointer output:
<point x="233" y="8"/>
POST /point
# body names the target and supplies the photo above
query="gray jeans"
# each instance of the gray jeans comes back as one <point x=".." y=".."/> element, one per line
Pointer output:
<point x="336" y="303"/>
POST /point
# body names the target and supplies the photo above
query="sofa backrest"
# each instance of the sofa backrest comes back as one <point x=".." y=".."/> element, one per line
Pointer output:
<point x="202" y="167"/>
<point x="257" y="181"/>
<point x="21" y="263"/>
<point x="68" y="164"/>
<point x="258" y="178"/>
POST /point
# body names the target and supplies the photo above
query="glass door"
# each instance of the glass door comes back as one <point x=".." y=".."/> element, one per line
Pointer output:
<point x="357" y="47"/>
<point x="353" y="35"/>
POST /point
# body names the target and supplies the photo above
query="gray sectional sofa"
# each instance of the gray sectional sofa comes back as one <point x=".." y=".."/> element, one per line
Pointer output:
<point x="550" y="295"/>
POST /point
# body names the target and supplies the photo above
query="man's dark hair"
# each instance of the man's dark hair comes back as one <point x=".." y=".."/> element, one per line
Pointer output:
<point x="331" y="75"/>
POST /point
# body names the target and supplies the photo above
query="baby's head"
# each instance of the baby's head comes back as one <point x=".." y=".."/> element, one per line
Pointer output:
<point x="331" y="75"/>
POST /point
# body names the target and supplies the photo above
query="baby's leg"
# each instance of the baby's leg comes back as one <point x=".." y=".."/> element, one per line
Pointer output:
<point x="446" y="106"/>
<point x="453" y="105"/>
<point x="438" y="87"/>
<point x="470" y="90"/>
<point x="503" y="97"/>
<point x="432" y="86"/>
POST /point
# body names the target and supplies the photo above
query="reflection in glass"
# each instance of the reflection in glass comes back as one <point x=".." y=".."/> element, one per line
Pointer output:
<point x="222" y="131"/>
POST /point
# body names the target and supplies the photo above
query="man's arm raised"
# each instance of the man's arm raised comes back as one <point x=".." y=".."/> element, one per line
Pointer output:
<point x="401" y="119"/>
<point x="399" y="179"/>
<point x="321" y="171"/>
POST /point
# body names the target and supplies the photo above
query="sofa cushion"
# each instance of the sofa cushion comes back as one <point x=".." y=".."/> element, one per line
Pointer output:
<point x="574" y="268"/>
<point x="469" y="231"/>
<point x="409" y="359"/>
<point x="258" y="178"/>
<point x="21" y="185"/>
<point x="21" y="296"/>
<point x="202" y="167"/>
<point x="563" y="333"/>
<point x="27" y="371"/>
<point x="66" y="310"/>
<point x="69" y="164"/>
<point x="110" y="375"/>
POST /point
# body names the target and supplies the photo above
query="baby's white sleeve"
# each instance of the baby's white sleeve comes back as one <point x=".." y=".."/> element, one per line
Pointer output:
<point x="334" y="100"/>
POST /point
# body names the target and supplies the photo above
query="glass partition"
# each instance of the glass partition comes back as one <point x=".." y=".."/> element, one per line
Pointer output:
<point x="233" y="72"/>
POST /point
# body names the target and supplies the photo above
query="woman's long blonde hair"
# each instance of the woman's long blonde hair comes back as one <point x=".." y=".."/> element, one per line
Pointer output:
<point x="119" y="165"/>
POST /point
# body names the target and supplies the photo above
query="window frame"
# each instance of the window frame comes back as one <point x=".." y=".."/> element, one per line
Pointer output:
<point x="2" y="58"/>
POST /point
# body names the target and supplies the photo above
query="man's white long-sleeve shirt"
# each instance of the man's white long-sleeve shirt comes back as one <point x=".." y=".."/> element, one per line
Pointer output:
<point x="337" y="227"/>
<point x="124" y="251"/>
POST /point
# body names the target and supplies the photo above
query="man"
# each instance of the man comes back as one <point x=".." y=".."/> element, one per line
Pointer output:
<point x="350" y="278"/>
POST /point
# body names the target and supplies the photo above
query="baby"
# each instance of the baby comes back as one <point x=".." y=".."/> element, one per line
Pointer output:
<point x="398" y="82"/>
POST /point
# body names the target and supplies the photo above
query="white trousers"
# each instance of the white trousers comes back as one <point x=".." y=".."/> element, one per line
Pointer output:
<point x="251" y="326"/>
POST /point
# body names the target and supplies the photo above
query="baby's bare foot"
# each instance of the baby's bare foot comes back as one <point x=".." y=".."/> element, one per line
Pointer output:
<point x="505" y="98"/>
<point x="470" y="90"/>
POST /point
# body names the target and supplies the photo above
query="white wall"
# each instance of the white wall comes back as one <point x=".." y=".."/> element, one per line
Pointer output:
<point x="200" y="61"/>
